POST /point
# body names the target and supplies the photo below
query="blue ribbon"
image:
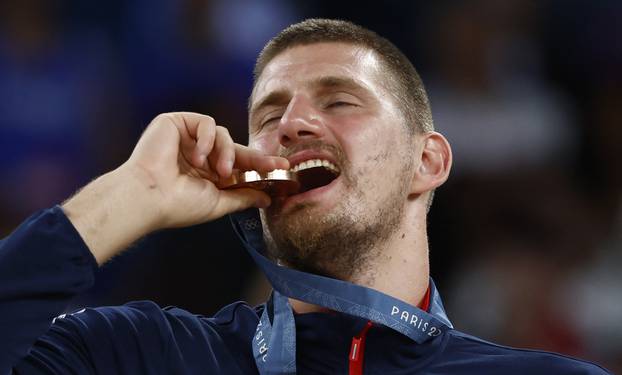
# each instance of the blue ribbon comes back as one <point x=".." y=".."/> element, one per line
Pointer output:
<point x="274" y="344"/>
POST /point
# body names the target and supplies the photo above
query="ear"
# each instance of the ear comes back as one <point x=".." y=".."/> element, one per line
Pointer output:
<point x="434" y="163"/>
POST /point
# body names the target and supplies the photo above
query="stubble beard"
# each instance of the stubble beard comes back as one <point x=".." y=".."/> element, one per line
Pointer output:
<point x="344" y="242"/>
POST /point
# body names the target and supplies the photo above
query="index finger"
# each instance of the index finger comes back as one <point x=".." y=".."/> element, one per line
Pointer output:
<point x="247" y="159"/>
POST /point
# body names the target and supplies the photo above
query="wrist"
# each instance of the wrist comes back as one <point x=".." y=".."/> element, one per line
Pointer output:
<point x="144" y="196"/>
<point x="112" y="211"/>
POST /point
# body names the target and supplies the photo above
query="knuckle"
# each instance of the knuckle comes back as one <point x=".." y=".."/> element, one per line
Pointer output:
<point x="224" y="134"/>
<point x="207" y="120"/>
<point x="223" y="130"/>
<point x="168" y="117"/>
<point x="208" y="125"/>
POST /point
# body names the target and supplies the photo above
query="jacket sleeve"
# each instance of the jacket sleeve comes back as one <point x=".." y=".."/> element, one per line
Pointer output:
<point x="43" y="264"/>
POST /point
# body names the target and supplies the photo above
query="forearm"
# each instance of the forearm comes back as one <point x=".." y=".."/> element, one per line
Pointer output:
<point x="43" y="265"/>
<point x="113" y="211"/>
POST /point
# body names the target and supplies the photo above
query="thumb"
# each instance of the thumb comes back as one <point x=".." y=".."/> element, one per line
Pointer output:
<point x="240" y="199"/>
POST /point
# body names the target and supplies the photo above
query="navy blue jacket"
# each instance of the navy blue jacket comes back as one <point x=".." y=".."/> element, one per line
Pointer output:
<point x="44" y="263"/>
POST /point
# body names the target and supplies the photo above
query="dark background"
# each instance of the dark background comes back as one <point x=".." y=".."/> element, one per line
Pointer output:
<point x="525" y="236"/>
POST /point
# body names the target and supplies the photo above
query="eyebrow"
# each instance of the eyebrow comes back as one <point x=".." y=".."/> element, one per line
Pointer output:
<point x="338" y="82"/>
<point x="281" y="97"/>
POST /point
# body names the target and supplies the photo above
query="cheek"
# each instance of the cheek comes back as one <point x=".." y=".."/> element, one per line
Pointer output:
<point x="376" y="158"/>
<point x="352" y="134"/>
<point x="267" y="143"/>
<point x="367" y="146"/>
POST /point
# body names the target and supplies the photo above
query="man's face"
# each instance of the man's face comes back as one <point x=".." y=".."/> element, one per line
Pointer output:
<point x="329" y="102"/>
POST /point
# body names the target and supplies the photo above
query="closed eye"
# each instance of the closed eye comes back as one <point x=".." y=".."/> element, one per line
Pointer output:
<point x="263" y="124"/>
<point x="272" y="119"/>
<point x="339" y="104"/>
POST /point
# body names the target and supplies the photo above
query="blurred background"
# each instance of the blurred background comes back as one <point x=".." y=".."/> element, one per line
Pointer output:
<point x="526" y="235"/>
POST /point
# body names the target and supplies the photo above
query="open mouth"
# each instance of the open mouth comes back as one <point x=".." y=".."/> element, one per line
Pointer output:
<point x="315" y="173"/>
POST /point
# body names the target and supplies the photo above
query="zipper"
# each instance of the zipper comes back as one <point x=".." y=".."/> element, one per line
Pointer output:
<point x="357" y="351"/>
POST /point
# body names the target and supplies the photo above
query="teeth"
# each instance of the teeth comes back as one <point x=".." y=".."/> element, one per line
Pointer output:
<point x="315" y="163"/>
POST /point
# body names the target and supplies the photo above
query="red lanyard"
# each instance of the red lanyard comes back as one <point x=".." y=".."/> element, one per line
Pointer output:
<point x="357" y="349"/>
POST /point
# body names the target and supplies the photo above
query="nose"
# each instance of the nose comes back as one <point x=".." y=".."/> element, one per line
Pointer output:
<point x="301" y="121"/>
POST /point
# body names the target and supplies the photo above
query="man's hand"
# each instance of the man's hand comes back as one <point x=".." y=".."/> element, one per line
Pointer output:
<point x="170" y="180"/>
<point x="182" y="156"/>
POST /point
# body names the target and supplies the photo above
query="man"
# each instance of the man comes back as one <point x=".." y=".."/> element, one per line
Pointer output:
<point x="352" y="291"/>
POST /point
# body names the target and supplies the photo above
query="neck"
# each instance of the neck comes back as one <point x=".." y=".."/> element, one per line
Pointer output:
<point x="400" y="270"/>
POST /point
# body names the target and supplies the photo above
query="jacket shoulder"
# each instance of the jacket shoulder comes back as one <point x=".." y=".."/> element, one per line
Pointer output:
<point x="486" y="357"/>
<point x="142" y="337"/>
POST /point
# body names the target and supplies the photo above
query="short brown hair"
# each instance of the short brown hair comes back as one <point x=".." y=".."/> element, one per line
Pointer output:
<point x="404" y="81"/>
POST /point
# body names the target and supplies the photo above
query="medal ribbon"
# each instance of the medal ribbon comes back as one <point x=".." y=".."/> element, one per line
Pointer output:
<point x="274" y="344"/>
